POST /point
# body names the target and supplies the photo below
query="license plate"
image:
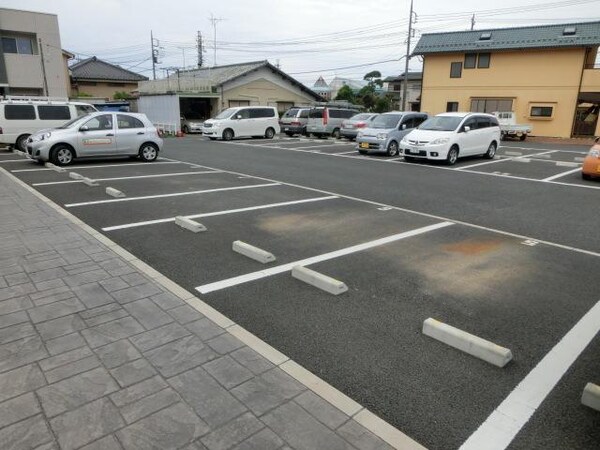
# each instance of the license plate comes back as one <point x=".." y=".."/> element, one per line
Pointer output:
<point x="364" y="145"/>
<point x="286" y="129"/>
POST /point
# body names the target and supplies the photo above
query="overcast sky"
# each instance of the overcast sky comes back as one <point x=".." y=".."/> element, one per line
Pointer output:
<point x="307" y="38"/>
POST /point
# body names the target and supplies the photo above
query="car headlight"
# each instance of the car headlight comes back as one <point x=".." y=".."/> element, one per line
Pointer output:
<point x="382" y="136"/>
<point x="594" y="152"/>
<point x="440" y="141"/>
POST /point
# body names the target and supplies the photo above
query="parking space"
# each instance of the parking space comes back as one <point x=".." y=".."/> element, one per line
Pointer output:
<point x="401" y="267"/>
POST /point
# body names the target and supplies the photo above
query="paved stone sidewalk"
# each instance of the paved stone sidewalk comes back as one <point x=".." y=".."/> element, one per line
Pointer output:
<point x="95" y="354"/>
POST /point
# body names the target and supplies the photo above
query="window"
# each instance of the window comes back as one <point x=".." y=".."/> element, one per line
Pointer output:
<point x="470" y="60"/>
<point x="257" y="113"/>
<point x="19" y="112"/>
<point x="471" y="123"/>
<point x="24" y="46"/>
<point x="9" y="45"/>
<point x="20" y="45"/>
<point x="396" y="87"/>
<point x="419" y="120"/>
<point x="410" y="123"/>
<point x="82" y="110"/>
<point x="455" y="70"/>
<point x="103" y="122"/>
<point x="124" y="122"/>
<point x="304" y="113"/>
<point x="483" y="122"/>
<point x="51" y="112"/>
<point x="316" y="113"/>
<point x="236" y="103"/>
<point x="490" y="105"/>
<point x="485" y="36"/>
<point x="483" y="61"/>
<point x="452" y="107"/>
<point x="243" y="114"/>
<point x="541" y="111"/>
<point x="335" y="113"/>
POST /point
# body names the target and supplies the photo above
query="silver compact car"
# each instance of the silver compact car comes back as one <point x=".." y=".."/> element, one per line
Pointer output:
<point x="97" y="135"/>
<point x="385" y="132"/>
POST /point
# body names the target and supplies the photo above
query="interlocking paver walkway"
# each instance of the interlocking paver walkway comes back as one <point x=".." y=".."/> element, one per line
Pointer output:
<point x="94" y="354"/>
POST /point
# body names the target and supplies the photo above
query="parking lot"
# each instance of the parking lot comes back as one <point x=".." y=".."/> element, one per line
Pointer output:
<point x="498" y="268"/>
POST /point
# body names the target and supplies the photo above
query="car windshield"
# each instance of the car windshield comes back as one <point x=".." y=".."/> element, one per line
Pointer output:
<point x="71" y="122"/>
<point x="441" y="123"/>
<point x="291" y="113"/>
<point x="225" y="114"/>
<point x="386" y="121"/>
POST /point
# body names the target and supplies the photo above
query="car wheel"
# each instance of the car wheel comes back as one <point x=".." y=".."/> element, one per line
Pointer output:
<point x="392" y="149"/>
<point x="336" y="133"/>
<point x="21" y="143"/>
<point x="148" y="152"/>
<point x="62" y="155"/>
<point x="452" y="156"/>
<point x="270" y="133"/>
<point x="585" y="176"/>
<point x="523" y="137"/>
<point x="491" y="151"/>
<point x="186" y="130"/>
<point x="228" y="134"/>
<point x="409" y="159"/>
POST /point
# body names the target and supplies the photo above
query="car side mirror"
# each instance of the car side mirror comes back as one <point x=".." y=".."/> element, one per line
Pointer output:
<point x="84" y="128"/>
<point x="467" y="129"/>
<point x="403" y="126"/>
<point x="597" y="140"/>
<point x="238" y="117"/>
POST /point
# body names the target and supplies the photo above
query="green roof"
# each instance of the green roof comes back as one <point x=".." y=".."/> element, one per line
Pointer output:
<point x="517" y="38"/>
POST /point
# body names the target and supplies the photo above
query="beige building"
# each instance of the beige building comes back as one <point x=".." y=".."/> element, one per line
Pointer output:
<point x="100" y="79"/>
<point x="201" y="93"/>
<point x="547" y="75"/>
<point x="394" y="87"/>
<point x="31" y="59"/>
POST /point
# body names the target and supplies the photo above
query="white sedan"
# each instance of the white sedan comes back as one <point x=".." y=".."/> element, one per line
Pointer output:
<point x="97" y="135"/>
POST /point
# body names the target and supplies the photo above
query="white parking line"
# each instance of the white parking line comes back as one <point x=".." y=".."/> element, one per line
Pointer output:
<point x="543" y="149"/>
<point x="99" y="166"/>
<point x="501" y="427"/>
<point x="211" y="287"/>
<point x="522" y="157"/>
<point x="158" y="175"/>
<point x="312" y="146"/>
<point x="219" y="213"/>
<point x="14" y="160"/>
<point x="344" y="153"/>
<point x="412" y="211"/>
<point x="562" y="174"/>
<point x="175" y="194"/>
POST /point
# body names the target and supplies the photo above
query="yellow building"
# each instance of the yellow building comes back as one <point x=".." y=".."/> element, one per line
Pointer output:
<point x="547" y="75"/>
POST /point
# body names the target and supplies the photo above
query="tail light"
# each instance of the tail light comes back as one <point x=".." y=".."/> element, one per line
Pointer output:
<point x="361" y="125"/>
<point x="325" y="116"/>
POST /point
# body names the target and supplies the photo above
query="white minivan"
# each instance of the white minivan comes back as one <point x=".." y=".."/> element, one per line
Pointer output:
<point x="22" y="117"/>
<point x="450" y="136"/>
<point x="243" y="121"/>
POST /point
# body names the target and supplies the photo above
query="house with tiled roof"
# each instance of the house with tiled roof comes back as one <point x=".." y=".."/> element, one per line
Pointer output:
<point x="548" y="75"/>
<point x="394" y="87"/>
<point x="97" y="78"/>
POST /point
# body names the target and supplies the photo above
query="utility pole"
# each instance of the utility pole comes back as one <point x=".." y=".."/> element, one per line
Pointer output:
<point x="183" y="53"/>
<point x="215" y="20"/>
<point x="407" y="58"/>
<point x="200" y="49"/>
<point x="44" y="67"/>
<point x="154" y="46"/>
<point x="472" y="22"/>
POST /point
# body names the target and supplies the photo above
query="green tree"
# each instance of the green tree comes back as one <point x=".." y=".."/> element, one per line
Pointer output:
<point x="346" y="93"/>
<point x="374" y="78"/>
<point x="121" y="95"/>
<point x="382" y="104"/>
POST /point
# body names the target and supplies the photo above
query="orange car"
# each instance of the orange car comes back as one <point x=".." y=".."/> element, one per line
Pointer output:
<point x="591" y="163"/>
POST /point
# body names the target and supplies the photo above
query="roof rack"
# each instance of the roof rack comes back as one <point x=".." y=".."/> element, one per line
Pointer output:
<point x="26" y="98"/>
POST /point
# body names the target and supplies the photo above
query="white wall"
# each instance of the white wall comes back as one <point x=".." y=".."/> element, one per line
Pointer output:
<point x="161" y="109"/>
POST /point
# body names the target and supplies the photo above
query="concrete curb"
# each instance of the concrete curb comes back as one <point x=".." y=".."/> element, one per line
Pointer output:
<point x="114" y="192"/>
<point x="319" y="280"/>
<point x="591" y="396"/>
<point x="89" y="181"/>
<point x="75" y="176"/>
<point x="366" y="418"/>
<point x="466" y="342"/>
<point x="255" y="253"/>
<point x="189" y="224"/>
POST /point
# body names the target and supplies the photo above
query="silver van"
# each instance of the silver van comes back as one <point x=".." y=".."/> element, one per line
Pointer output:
<point x="294" y="121"/>
<point x="324" y="121"/>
